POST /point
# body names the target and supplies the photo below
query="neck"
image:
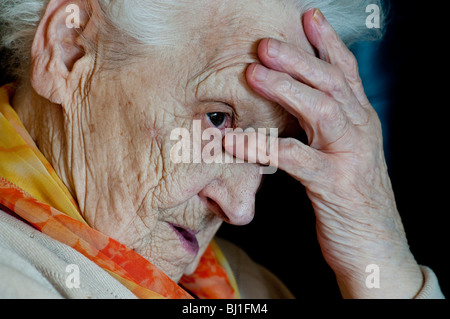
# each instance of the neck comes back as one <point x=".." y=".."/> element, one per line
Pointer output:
<point x="44" y="122"/>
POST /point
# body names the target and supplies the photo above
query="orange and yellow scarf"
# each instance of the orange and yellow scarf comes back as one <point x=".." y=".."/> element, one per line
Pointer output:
<point x="30" y="188"/>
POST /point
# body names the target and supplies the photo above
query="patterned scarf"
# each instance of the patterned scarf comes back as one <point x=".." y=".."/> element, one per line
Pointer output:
<point x="30" y="188"/>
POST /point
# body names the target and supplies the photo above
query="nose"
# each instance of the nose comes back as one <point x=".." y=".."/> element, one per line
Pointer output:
<point x="234" y="203"/>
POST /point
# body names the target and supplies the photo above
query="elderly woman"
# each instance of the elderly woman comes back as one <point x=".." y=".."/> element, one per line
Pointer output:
<point x="93" y="204"/>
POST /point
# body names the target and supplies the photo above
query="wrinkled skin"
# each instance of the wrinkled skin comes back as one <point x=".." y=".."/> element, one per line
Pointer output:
<point x="111" y="143"/>
<point x="106" y="131"/>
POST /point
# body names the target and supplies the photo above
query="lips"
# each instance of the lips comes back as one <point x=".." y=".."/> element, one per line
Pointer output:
<point x="187" y="239"/>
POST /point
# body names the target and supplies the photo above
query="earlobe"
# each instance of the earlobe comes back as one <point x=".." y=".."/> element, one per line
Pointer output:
<point x="57" y="47"/>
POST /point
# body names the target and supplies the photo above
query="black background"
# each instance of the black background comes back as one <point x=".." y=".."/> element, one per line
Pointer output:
<point x="282" y="236"/>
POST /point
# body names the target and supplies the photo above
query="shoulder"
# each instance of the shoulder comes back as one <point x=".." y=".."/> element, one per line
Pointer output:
<point x="254" y="281"/>
<point x="33" y="265"/>
<point x="21" y="280"/>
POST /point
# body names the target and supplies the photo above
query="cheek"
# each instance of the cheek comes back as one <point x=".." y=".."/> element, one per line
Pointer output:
<point x="180" y="181"/>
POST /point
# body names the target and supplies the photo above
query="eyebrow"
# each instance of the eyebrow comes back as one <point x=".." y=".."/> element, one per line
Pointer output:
<point x="214" y="65"/>
<point x="202" y="77"/>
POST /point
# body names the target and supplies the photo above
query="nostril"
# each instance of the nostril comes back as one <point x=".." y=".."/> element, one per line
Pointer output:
<point x="214" y="207"/>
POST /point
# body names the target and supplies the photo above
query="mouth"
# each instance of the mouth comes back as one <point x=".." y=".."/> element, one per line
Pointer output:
<point x="187" y="239"/>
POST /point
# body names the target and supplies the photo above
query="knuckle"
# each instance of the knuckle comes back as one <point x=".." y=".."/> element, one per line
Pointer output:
<point x="349" y="59"/>
<point x="284" y="85"/>
<point x="292" y="151"/>
<point x="293" y="56"/>
<point x="351" y="68"/>
<point x="335" y="80"/>
<point x="300" y="158"/>
<point x="328" y="113"/>
<point x="337" y="84"/>
<point x="297" y="62"/>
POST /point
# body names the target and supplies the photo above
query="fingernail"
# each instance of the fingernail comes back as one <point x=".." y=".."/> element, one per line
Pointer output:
<point x="273" y="48"/>
<point x="260" y="73"/>
<point x="318" y="17"/>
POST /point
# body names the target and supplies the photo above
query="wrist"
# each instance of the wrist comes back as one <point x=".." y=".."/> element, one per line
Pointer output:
<point x="381" y="279"/>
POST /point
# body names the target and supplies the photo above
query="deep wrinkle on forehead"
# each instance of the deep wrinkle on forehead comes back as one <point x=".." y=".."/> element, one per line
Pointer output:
<point x="223" y="42"/>
<point x="234" y="33"/>
<point x="227" y="54"/>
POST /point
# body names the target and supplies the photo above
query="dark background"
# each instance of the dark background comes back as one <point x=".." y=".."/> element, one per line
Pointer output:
<point x="406" y="78"/>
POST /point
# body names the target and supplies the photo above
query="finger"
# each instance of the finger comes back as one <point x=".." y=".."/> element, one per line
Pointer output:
<point x="305" y="67"/>
<point x="288" y="154"/>
<point x="312" y="71"/>
<point x="333" y="50"/>
<point x="319" y="115"/>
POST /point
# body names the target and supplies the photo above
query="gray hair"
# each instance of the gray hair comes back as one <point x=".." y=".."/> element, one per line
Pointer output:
<point x="154" y="23"/>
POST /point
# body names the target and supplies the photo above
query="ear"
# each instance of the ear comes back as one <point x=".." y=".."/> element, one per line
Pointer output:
<point x="58" y="54"/>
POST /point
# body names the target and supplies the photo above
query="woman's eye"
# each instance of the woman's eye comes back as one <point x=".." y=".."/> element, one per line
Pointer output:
<point x="217" y="119"/>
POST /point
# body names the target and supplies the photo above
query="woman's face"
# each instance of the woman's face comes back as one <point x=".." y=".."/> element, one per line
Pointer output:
<point x="124" y="177"/>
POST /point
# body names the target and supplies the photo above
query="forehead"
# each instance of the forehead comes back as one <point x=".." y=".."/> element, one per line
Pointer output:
<point x="226" y="28"/>
<point x="223" y="33"/>
<point x="226" y="42"/>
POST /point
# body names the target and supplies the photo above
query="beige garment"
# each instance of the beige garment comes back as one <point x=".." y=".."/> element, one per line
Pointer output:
<point x="33" y="265"/>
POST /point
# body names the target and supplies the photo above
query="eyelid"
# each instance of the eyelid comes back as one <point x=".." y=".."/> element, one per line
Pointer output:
<point x="235" y="115"/>
<point x="211" y="106"/>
